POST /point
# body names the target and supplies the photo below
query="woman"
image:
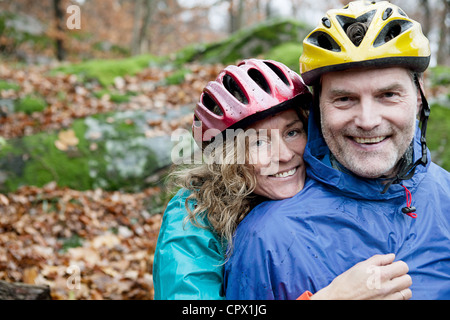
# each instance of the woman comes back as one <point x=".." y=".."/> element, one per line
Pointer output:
<point x="241" y="169"/>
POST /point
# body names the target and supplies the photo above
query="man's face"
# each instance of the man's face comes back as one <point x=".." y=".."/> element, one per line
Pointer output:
<point x="368" y="118"/>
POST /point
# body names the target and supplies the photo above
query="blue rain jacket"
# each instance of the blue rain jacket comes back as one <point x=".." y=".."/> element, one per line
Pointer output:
<point x="283" y="248"/>
<point x="188" y="262"/>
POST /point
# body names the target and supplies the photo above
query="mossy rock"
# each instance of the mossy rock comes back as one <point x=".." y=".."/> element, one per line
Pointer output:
<point x="18" y="29"/>
<point x="257" y="41"/>
<point x="287" y="53"/>
<point x="112" y="152"/>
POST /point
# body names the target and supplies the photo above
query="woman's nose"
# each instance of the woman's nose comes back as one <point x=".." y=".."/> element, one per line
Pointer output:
<point x="283" y="151"/>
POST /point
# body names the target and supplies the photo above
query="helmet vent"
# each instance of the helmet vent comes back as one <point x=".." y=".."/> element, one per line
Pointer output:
<point x="260" y="80"/>
<point x="400" y="11"/>
<point x="387" y="13"/>
<point x="392" y="30"/>
<point x="324" y="41"/>
<point x="278" y="72"/>
<point x="211" y="105"/>
<point x="356" y="28"/>
<point x="233" y="88"/>
<point x="197" y="123"/>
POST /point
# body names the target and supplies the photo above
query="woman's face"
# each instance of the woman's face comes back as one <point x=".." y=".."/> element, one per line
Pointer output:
<point x="276" y="146"/>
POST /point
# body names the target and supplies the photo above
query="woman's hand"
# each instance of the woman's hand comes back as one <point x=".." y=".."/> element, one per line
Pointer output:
<point x="377" y="278"/>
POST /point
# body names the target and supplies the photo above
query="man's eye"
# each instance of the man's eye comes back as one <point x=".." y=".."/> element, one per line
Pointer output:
<point x="342" y="99"/>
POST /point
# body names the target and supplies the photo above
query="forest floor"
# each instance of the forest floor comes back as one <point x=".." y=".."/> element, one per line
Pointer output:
<point x="91" y="244"/>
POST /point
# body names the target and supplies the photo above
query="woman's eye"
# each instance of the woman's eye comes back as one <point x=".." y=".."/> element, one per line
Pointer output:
<point x="259" y="143"/>
<point x="292" y="133"/>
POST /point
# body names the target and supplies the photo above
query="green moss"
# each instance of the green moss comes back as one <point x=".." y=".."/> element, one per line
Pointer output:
<point x="440" y="75"/>
<point x="5" y="147"/>
<point x="119" y="98"/>
<point x="11" y="163"/>
<point x="105" y="71"/>
<point x="47" y="163"/>
<point x="114" y="96"/>
<point x="73" y="242"/>
<point x="35" y="160"/>
<point x="30" y="104"/>
<point x="287" y="53"/>
<point x="177" y="77"/>
<point x="438" y="135"/>
<point x="190" y="53"/>
<point x="7" y="85"/>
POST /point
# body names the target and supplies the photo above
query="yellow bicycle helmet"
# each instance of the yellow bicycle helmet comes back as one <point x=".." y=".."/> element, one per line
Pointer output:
<point x="386" y="37"/>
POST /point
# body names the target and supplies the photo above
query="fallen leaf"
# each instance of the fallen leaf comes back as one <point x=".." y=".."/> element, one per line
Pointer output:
<point x="66" y="140"/>
<point x="30" y="275"/>
<point x="4" y="200"/>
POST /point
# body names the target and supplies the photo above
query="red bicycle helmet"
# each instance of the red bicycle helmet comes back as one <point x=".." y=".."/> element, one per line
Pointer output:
<point x="246" y="93"/>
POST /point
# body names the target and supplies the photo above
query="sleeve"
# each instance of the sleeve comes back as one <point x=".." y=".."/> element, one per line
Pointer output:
<point x="188" y="262"/>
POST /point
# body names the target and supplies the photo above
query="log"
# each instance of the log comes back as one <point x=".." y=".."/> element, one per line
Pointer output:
<point x="22" y="291"/>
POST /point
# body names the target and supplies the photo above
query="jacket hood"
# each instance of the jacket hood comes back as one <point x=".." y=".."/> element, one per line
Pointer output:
<point x="318" y="168"/>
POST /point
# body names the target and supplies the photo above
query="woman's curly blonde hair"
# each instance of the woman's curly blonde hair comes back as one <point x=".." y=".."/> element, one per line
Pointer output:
<point x="222" y="190"/>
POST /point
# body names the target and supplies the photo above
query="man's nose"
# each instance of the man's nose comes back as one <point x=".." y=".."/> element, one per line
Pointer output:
<point x="368" y="115"/>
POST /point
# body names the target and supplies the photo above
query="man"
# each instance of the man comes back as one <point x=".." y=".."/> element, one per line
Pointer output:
<point x="371" y="186"/>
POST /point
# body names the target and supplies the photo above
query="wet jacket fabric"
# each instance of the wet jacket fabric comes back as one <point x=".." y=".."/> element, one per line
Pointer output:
<point x="188" y="262"/>
<point x="283" y="248"/>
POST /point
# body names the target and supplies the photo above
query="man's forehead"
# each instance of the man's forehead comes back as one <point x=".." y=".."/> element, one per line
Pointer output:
<point x="386" y="78"/>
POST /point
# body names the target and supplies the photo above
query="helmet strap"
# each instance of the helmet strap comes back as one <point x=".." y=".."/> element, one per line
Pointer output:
<point x="406" y="172"/>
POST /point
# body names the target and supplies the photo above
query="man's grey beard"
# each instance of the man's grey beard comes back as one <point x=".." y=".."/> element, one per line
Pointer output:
<point x="405" y="161"/>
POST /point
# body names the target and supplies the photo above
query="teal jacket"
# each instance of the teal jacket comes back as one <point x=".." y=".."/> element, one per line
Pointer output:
<point x="188" y="263"/>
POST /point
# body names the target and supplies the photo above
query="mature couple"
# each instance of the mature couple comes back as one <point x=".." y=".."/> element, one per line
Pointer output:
<point x="355" y="208"/>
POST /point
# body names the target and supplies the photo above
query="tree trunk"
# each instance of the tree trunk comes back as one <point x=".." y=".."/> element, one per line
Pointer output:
<point x="135" y="45"/>
<point x="143" y="35"/>
<point x="22" y="291"/>
<point x="268" y="9"/>
<point x="59" y="18"/>
<point x="443" y="49"/>
<point x="142" y="19"/>
<point x="236" y="16"/>
<point x="426" y="24"/>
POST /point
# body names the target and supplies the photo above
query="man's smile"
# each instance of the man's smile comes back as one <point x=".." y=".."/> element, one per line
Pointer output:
<point x="373" y="140"/>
